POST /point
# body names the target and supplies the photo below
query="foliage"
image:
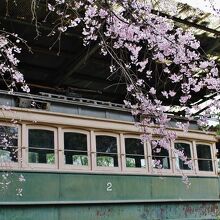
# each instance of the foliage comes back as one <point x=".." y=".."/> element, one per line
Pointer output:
<point x="137" y="39"/>
<point x="160" y="62"/>
<point x="9" y="62"/>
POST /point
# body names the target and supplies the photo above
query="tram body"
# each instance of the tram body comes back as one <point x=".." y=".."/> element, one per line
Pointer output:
<point x="83" y="160"/>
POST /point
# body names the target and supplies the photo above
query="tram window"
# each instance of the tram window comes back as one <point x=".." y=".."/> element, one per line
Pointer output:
<point x="218" y="154"/>
<point x="106" y="151"/>
<point x="75" y="148"/>
<point x="134" y="151"/>
<point x="204" y="157"/>
<point x="41" y="146"/>
<point x="160" y="157"/>
<point x="8" y="144"/>
<point x="185" y="148"/>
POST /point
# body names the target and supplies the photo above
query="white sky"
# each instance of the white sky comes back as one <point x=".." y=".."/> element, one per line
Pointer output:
<point x="204" y="5"/>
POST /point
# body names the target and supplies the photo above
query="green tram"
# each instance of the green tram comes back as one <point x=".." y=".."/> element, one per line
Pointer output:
<point x="82" y="159"/>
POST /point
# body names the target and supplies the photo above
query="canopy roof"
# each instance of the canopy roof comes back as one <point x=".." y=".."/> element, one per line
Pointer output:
<point x="81" y="71"/>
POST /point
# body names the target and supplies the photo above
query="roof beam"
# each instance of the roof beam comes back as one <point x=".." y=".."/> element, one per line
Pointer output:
<point x="91" y="78"/>
<point x="186" y="22"/>
<point x="76" y="64"/>
<point x="41" y="27"/>
<point x="213" y="47"/>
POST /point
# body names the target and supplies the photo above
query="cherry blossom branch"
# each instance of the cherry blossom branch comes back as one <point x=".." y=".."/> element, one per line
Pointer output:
<point x="134" y="36"/>
<point x="9" y="62"/>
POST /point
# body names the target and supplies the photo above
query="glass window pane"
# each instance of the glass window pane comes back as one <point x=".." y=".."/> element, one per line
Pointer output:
<point x="106" y="148"/>
<point x="204" y="157"/>
<point x="134" y="146"/>
<point x="41" y="138"/>
<point x="41" y="146"/>
<point x="130" y="162"/>
<point x="135" y="161"/>
<point x="8" y="144"/>
<point x="76" y="158"/>
<point x="218" y="165"/>
<point x="41" y="156"/>
<point x="8" y="136"/>
<point x="185" y="148"/>
<point x="106" y="144"/>
<point x="159" y="151"/>
<point x="205" y="165"/>
<point x="105" y="161"/>
<point x="8" y="155"/>
<point x="160" y="157"/>
<point x="187" y="152"/>
<point x="81" y="160"/>
<point x="75" y="149"/>
<point x="203" y="151"/>
<point x="134" y="151"/>
<point x="75" y="141"/>
<point x="161" y="162"/>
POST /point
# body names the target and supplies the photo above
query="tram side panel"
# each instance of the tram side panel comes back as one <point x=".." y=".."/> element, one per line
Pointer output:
<point x="47" y="187"/>
<point x="71" y="196"/>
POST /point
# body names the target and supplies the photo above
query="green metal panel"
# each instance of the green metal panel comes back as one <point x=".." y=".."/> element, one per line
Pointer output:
<point x="72" y="187"/>
<point x="172" y="187"/>
<point x="71" y="196"/>
<point x="37" y="187"/>
<point x="94" y="187"/>
<point x="153" y="211"/>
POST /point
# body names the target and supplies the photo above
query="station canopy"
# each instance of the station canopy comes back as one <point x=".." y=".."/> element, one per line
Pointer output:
<point x="81" y="71"/>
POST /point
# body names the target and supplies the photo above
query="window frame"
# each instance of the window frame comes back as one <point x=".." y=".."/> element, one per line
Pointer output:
<point x="12" y="164"/>
<point x="94" y="152"/>
<point x="160" y="171"/>
<point x="192" y="158"/>
<point x="42" y="165"/>
<point x="212" y="159"/>
<point x="58" y="132"/>
<point x="123" y="156"/>
<point x="62" y="150"/>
